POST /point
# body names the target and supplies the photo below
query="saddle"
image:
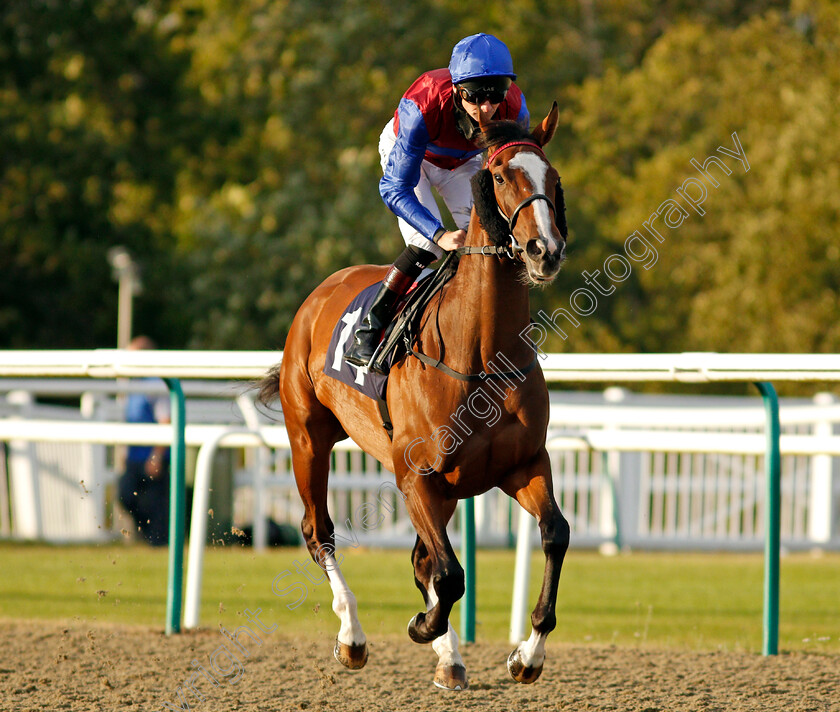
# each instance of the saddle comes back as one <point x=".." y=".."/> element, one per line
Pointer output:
<point x="400" y="334"/>
<point x="397" y="340"/>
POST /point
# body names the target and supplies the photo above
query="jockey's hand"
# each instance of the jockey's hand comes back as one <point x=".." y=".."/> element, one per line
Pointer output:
<point x="452" y="240"/>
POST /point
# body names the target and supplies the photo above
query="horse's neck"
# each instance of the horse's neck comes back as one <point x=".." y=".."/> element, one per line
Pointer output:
<point x="486" y="309"/>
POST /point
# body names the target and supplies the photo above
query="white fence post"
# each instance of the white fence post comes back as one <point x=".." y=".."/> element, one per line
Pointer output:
<point x="521" y="576"/>
<point x="610" y="483"/>
<point x="482" y="518"/>
<point x="93" y="462"/>
<point x="27" y="522"/>
<point x="628" y="492"/>
<point x="821" y="491"/>
<point x="198" y="529"/>
<point x="259" y="531"/>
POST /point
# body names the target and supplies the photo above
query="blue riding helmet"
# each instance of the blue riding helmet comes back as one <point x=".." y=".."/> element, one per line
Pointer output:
<point x="480" y="55"/>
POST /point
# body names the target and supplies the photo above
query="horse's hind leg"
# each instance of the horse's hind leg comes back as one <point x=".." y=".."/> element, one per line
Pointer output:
<point x="350" y="643"/>
<point x="450" y="673"/>
<point x="313" y="430"/>
<point x="533" y="490"/>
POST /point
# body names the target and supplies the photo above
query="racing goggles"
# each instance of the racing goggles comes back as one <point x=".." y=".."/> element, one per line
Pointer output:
<point x="478" y="96"/>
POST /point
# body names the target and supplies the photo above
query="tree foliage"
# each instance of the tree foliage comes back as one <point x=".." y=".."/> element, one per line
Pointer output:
<point x="232" y="148"/>
<point x="759" y="270"/>
<point x="91" y="134"/>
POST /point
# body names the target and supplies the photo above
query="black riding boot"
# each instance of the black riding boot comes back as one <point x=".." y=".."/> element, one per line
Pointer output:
<point x="368" y="335"/>
<point x="400" y="277"/>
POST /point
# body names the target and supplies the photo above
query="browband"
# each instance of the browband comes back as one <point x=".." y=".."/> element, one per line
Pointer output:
<point x="513" y="143"/>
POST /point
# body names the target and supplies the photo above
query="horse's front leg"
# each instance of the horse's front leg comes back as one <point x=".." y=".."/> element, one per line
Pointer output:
<point x="532" y="488"/>
<point x="440" y="579"/>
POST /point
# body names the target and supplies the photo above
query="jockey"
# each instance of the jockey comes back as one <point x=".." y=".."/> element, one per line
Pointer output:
<point x="429" y="143"/>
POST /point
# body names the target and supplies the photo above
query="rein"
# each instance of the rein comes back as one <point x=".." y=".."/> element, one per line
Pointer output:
<point x="483" y="376"/>
<point x="447" y="270"/>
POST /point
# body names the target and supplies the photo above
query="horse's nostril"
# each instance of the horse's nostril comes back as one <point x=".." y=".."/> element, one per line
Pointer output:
<point x="535" y="248"/>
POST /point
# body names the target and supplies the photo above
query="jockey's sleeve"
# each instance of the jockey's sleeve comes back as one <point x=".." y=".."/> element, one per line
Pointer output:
<point x="402" y="172"/>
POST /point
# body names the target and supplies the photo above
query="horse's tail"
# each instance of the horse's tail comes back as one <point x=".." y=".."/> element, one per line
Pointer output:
<point x="269" y="386"/>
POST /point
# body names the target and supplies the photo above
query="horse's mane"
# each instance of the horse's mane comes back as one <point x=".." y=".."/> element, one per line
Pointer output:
<point x="500" y="132"/>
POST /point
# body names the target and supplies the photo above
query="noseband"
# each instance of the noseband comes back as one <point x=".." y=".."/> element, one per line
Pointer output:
<point x="512" y="250"/>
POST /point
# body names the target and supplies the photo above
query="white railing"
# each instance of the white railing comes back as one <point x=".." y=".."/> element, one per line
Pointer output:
<point x="617" y="368"/>
<point x="666" y="480"/>
<point x="688" y="472"/>
<point x="572" y="487"/>
<point x="683" y="368"/>
<point x="669" y="480"/>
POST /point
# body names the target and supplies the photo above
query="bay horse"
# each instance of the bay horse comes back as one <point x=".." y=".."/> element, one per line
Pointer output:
<point x="516" y="238"/>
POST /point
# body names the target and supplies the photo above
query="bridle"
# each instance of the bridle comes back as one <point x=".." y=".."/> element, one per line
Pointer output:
<point x="512" y="250"/>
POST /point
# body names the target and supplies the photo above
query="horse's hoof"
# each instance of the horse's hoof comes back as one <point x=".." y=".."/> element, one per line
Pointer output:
<point x="353" y="657"/>
<point x="413" y="631"/>
<point x="521" y="672"/>
<point x="451" y="677"/>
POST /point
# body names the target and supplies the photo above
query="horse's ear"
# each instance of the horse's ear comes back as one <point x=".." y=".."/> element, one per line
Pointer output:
<point x="560" y="210"/>
<point x="486" y="207"/>
<point x="543" y="133"/>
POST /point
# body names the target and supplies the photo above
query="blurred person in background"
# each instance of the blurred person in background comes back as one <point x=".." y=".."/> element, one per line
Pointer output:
<point x="144" y="486"/>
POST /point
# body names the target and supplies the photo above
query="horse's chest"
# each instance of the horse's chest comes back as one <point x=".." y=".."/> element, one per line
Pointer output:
<point x="482" y="460"/>
<point x="478" y="440"/>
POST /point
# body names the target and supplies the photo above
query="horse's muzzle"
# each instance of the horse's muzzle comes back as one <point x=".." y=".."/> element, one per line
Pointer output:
<point x="542" y="263"/>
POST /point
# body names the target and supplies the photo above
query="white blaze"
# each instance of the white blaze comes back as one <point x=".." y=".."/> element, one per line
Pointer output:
<point x="535" y="169"/>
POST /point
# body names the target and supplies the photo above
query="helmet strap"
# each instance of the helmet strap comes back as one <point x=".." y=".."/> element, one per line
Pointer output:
<point x="468" y="128"/>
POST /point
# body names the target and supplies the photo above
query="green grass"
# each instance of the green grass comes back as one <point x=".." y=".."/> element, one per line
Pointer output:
<point x="693" y="601"/>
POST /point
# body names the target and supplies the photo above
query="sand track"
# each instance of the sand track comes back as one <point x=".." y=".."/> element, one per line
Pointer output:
<point x="77" y="666"/>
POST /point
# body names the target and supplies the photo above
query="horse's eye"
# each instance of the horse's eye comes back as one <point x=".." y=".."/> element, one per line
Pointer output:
<point x="498" y="178"/>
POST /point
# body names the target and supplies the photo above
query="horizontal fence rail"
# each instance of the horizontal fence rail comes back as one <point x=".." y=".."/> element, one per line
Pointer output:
<point x="109" y="433"/>
<point x="689" y="367"/>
